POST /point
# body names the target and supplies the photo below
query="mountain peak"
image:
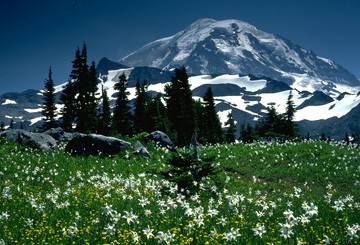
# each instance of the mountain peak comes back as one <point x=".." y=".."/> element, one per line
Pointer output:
<point x="232" y="46"/>
<point x="212" y="23"/>
<point x="200" y="23"/>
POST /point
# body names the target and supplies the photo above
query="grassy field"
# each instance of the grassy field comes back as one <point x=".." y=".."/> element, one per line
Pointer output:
<point x="291" y="193"/>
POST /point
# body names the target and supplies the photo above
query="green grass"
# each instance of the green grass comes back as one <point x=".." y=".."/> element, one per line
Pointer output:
<point x="291" y="193"/>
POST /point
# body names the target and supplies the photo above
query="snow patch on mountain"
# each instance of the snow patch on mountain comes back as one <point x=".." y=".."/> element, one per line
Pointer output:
<point x="334" y="109"/>
<point x="9" y="102"/>
<point x="303" y="82"/>
<point x="36" y="110"/>
<point x="241" y="81"/>
<point x="223" y="116"/>
<point x="35" y="120"/>
<point x="331" y="63"/>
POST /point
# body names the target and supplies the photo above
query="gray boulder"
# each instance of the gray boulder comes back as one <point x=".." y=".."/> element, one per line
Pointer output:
<point x="59" y="134"/>
<point x="96" y="144"/>
<point x="39" y="141"/>
<point x="161" y="140"/>
<point x="141" y="150"/>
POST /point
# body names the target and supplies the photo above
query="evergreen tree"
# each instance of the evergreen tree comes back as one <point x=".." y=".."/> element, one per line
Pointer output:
<point x="11" y="126"/>
<point x="272" y="124"/>
<point x="70" y="93"/>
<point x="76" y="68"/>
<point x="231" y="130"/>
<point x="79" y="95"/>
<point x="199" y="120"/>
<point x="290" y="129"/>
<point x="247" y="133"/>
<point x="49" y="103"/>
<point x="180" y="107"/>
<point x="2" y="126"/>
<point x="158" y="119"/>
<point x="323" y="137"/>
<point x="122" y="118"/>
<point x="272" y="120"/>
<point x="213" y="130"/>
<point x="105" y="115"/>
<point x="347" y="139"/>
<point x="87" y="101"/>
<point x="140" y="117"/>
<point x="275" y="124"/>
<point x="68" y="111"/>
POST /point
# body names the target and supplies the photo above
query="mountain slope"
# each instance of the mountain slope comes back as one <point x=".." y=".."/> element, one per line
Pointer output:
<point x="234" y="47"/>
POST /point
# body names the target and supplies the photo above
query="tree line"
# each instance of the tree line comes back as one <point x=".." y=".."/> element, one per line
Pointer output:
<point x="87" y="111"/>
<point x="176" y="113"/>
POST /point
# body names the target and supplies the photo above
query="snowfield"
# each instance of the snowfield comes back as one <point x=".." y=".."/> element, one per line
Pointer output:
<point x="337" y="108"/>
<point x="9" y="102"/>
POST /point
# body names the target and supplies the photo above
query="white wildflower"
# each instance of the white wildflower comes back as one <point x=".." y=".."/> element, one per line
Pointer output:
<point x="326" y="239"/>
<point x="4" y="216"/>
<point x="259" y="230"/>
<point x="232" y="235"/>
<point x="29" y="222"/>
<point x="339" y="205"/>
<point x="351" y="231"/>
<point x="148" y="232"/>
<point x="130" y="217"/>
<point x="286" y="230"/>
<point x="167" y="237"/>
<point x="289" y="215"/>
<point x="312" y="210"/>
<point x="110" y="229"/>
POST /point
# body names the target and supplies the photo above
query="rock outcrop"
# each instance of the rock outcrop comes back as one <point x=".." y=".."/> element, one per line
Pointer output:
<point x="39" y="141"/>
<point x="96" y="144"/>
<point x="161" y="140"/>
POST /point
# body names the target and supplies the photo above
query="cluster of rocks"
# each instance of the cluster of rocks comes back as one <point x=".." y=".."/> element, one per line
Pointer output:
<point x="39" y="141"/>
<point x="85" y="144"/>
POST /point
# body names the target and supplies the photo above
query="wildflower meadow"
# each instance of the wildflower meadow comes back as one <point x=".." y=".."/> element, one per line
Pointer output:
<point x="262" y="193"/>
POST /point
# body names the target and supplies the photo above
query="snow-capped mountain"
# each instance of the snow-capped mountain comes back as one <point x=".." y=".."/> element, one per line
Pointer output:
<point x="234" y="47"/>
<point x="247" y="68"/>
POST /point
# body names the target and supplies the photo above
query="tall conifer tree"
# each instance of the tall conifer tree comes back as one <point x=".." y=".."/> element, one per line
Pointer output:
<point x="180" y="107"/>
<point x="213" y="130"/>
<point x="105" y="115"/>
<point x="141" y="117"/>
<point x="68" y="111"/>
<point x="158" y="119"/>
<point x="49" y="108"/>
<point x="70" y="93"/>
<point x="122" y="118"/>
<point x="87" y="120"/>
<point x="199" y="120"/>
<point x="290" y="128"/>
<point x="231" y="130"/>
<point x="247" y="133"/>
<point x="79" y="95"/>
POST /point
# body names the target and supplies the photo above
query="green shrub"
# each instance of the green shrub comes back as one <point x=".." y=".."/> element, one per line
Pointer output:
<point x="188" y="172"/>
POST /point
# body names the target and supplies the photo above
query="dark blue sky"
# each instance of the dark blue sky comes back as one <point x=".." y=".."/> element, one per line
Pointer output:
<point x="37" y="34"/>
